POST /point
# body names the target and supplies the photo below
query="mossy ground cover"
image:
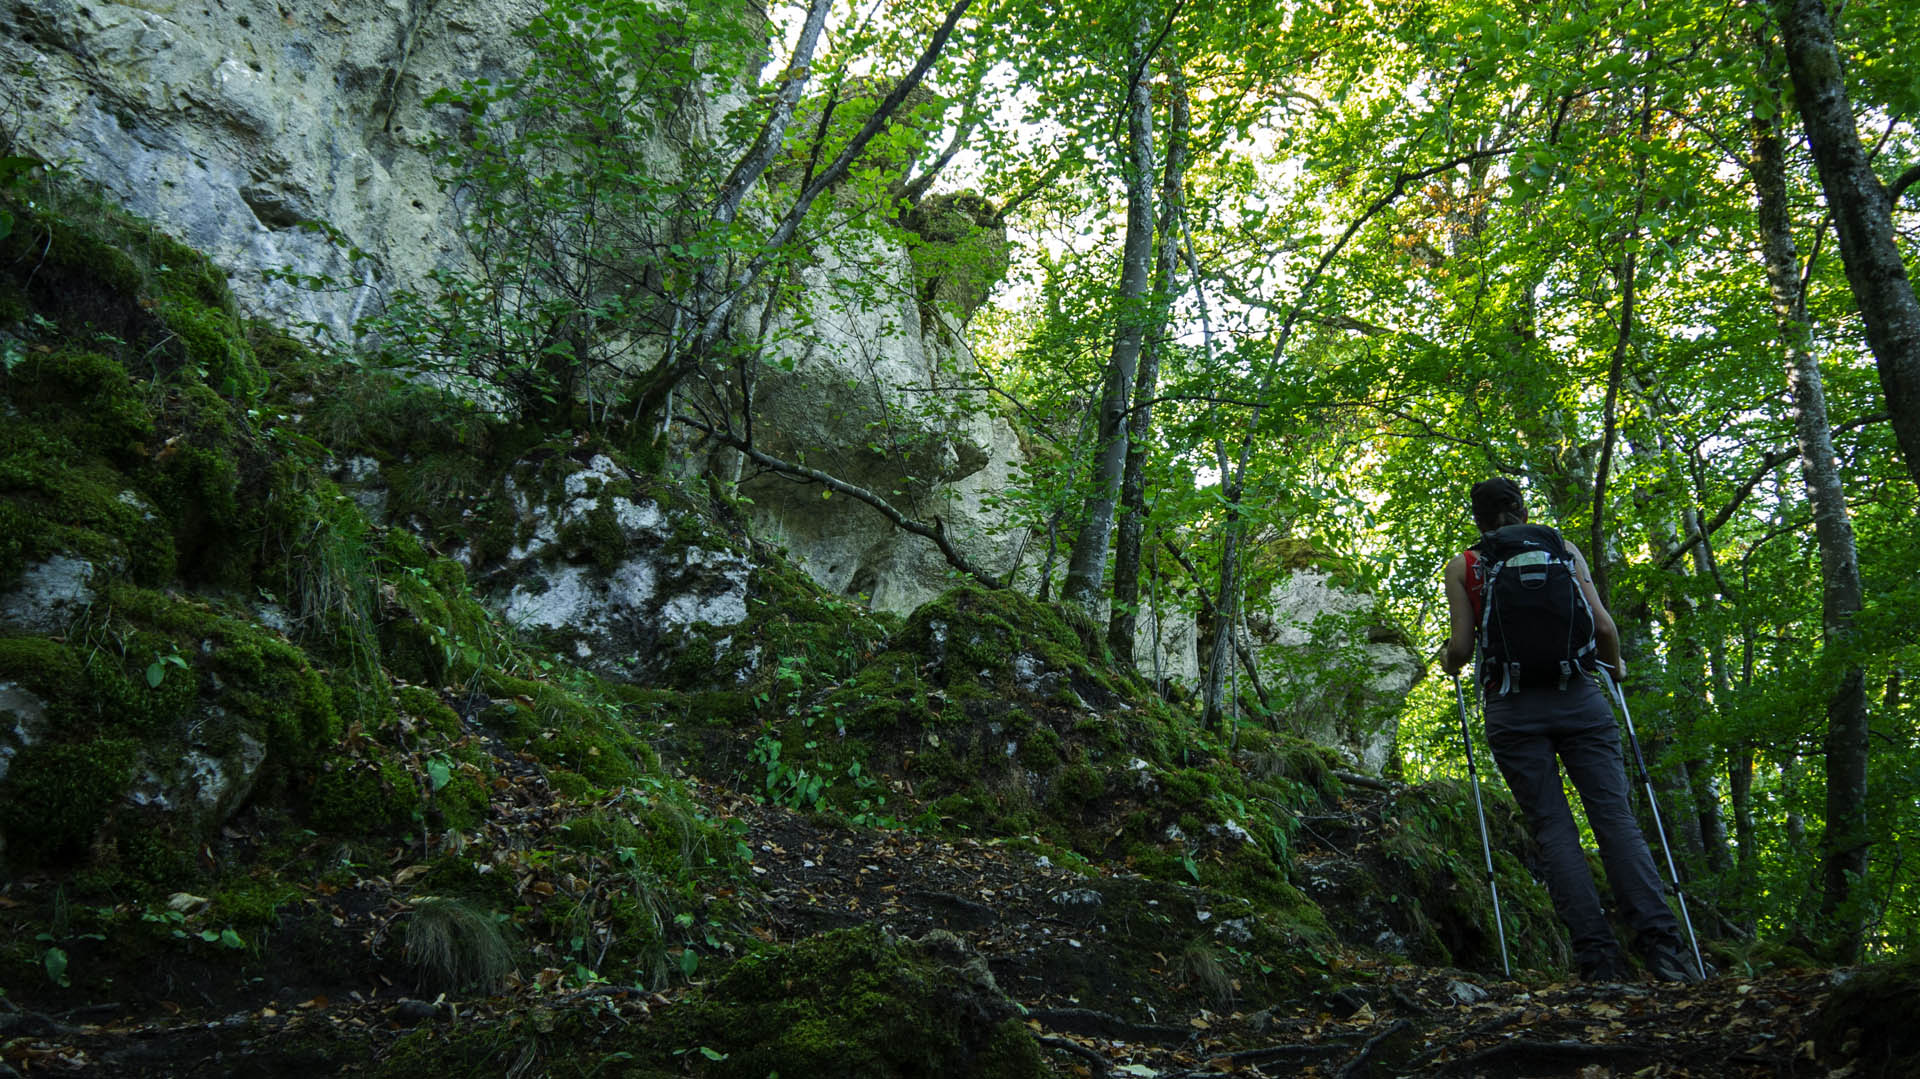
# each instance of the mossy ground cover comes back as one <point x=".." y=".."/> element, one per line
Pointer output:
<point x="987" y="714"/>
<point x="848" y="1004"/>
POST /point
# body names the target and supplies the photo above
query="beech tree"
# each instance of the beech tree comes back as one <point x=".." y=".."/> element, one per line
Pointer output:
<point x="1844" y="851"/>
<point x="1862" y="215"/>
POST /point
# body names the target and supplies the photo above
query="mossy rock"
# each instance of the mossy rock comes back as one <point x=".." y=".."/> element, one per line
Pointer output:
<point x="1869" y="1025"/>
<point x="58" y="795"/>
<point x="372" y="794"/>
<point x="563" y="730"/>
<point x="1426" y="876"/>
<point x="854" y="1003"/>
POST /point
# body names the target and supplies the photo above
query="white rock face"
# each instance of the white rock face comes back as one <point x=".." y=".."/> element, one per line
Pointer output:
<point x="626" y="618"/>
<point x="870" y="399"/>
<point x="229" y="121"/>
<point x="49" y="596"/>
<point x="1338" y="674"/>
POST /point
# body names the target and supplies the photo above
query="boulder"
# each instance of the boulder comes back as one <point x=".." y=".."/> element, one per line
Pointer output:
<point x="599" y="568"/>
<point x="48" y="596"/>
<point x="1336" y="665"/>
<point x="870" y="387"/>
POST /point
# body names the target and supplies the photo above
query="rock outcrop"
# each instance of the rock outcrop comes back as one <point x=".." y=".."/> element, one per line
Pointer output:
<point x="232" y="123"/>
<point x="601" y="570"/>
<point x="1337" y="667"/>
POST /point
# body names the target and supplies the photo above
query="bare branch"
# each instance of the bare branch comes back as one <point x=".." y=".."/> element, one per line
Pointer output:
<point x="937" y="531"/>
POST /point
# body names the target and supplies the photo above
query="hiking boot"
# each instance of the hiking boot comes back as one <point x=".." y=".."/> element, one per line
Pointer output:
<point x="1664" y="961"/>
<point x="1605" y="967"/>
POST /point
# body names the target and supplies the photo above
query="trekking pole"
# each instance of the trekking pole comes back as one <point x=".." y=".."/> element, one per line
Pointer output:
<point x="1486" y="844"/>
<point x="1653" y="805"/>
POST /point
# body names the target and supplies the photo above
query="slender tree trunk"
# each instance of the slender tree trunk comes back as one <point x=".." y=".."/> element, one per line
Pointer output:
<point x="1745" y="838"/>
<point x="1226" y="615"/>
<point x="1862" y="216"/>
<point x="1087" y="563"/>
<point x="1713" y="827"/>
<point x="1844" y="847"/>
<point x="1133" y="483"/>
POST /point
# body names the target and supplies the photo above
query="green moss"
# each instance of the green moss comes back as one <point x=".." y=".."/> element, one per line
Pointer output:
<point x="65" y="502"/>
<point x="50" y="669"/>
<point x="564" y="731"/>
<point x="1081" y="782"/>
<point x="57" y="795"/>
<point x="251" y="905"/>
<point x="597" y="535"/>
<point x="1040" y="748"/>
<point x="425" y="705"/>
<point x="461" y="803"/>
<point x="87" y="397"/>
<point x="376" y="795"/>
<point x="215" y="345"/>
<point x="271" y="682"/>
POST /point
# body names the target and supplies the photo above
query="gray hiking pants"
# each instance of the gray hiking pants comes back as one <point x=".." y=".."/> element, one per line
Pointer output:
<point x="1527" y="730"/>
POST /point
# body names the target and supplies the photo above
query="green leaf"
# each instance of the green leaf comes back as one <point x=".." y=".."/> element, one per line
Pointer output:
<point x="156" y="674"/>
<point x="232" y="939"/>
<point x="55" y="961"/>
<point x="689" y="962"/>
<point x="439" y="773"/>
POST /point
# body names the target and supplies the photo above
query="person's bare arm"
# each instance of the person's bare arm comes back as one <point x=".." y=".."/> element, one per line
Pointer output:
<point x="1459" y="647"/>
<point x="1605" y="633"/>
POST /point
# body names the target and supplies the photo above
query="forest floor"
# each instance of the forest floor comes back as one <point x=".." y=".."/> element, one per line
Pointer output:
<point x="1408" y="1020"/>
<point x="1022" y="915"/>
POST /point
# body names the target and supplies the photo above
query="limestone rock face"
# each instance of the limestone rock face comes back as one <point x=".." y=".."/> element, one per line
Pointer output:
<point x="602" y="570"/>
<point x="228" y="122"/>
<point x="1336" y="666"/>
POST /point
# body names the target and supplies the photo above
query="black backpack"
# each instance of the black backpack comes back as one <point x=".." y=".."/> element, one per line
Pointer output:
<point x="1535" y="626"/>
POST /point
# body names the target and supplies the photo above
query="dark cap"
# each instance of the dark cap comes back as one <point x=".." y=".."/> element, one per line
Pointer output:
<point x="1493" y="497"/>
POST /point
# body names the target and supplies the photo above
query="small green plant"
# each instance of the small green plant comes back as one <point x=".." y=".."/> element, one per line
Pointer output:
<point x="157" y="670"/>
<point x="788" y="784"/>
<point x="54" y="959"/>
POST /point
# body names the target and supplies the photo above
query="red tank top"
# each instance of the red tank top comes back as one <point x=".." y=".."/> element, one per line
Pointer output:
<point x="1474" y="584"/>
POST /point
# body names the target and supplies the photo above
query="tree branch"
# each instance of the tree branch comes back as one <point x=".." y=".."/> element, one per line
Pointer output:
<point x="1769" y="461"/>
<point x="1905" y="180"/>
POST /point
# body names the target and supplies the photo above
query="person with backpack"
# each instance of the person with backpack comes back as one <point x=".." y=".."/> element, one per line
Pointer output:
<point x="1524" y="597"/>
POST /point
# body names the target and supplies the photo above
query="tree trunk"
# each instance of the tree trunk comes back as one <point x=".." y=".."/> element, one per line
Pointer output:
<point x="1133" y="484"/>
<point x="1745" y="838"/>
<point x="1862" y="216"/>
<point x="1844" y="848"/>
<point x="1713" y="827"/>
<point x="1226" y="628"/>
<point x="1087" y="564"/>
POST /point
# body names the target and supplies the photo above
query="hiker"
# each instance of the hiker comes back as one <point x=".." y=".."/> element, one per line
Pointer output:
<point x="1539" y="711"/>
